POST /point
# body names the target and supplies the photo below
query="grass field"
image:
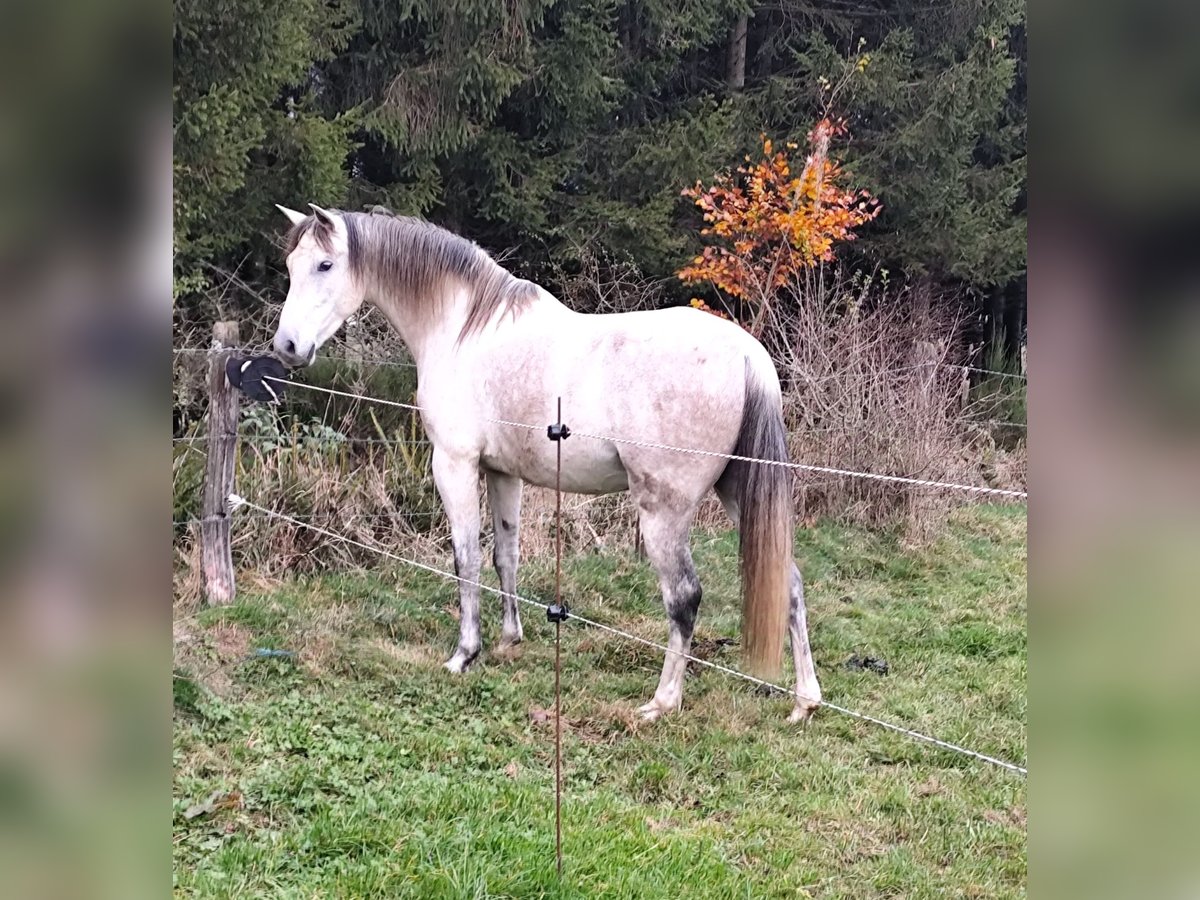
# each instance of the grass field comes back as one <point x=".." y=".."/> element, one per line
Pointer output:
<point x="359" y="768"/>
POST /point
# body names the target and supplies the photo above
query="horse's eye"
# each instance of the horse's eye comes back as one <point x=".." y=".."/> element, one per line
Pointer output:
<point x="325" y="266"/>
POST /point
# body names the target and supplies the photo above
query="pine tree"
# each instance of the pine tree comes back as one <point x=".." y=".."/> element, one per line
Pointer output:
<point x="936" y="134"/>
<point x="247" y="132"/>
<point x="559" y="128"/>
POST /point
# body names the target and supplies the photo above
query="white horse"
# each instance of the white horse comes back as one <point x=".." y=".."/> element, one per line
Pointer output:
<point x="491" y="346"/>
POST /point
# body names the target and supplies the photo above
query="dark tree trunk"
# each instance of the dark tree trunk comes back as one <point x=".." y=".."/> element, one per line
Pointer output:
<point x="1014" y="316"/>
<point x="1004" y="312"/>
<point x="735" y="76"/>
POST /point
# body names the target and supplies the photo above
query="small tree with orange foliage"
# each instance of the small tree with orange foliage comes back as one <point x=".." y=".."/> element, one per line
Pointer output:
<point x="770" y="225"/>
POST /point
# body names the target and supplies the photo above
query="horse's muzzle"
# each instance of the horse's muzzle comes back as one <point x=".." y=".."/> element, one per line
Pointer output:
<point x="293" y="355"/>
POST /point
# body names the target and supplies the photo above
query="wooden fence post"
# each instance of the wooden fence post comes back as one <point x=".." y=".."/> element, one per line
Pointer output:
<point x="216" y="557"/>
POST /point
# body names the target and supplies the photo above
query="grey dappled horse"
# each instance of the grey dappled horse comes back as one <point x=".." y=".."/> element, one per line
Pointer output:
<point x="491" y="346"/>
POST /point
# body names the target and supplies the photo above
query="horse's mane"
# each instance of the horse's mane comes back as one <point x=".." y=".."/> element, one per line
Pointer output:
<point x="412" y="260"/>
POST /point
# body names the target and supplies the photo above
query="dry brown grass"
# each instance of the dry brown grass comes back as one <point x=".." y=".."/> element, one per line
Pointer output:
<point x="209" y="653"/>
<point x="419" y="656"/>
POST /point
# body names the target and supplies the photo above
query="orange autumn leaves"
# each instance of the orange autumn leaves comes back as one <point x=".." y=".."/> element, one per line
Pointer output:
<point x="768" y="224"/>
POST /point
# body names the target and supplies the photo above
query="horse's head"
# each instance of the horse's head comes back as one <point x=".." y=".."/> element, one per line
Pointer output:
<point x="324" y="291"/>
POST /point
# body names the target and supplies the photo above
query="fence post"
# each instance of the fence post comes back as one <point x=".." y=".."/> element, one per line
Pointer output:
<point x="216" y="557"/>
<point x="964" y="385"/>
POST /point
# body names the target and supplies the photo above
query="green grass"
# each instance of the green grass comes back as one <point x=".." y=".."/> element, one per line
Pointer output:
<point x="362" y="769"/>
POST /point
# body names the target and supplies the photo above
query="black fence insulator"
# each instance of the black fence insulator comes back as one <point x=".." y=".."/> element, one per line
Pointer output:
<point x="258" y="377"/>
<point x="557" y="612"/>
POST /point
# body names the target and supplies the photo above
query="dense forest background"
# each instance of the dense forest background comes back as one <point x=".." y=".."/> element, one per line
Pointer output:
<point x="562" y="133"/>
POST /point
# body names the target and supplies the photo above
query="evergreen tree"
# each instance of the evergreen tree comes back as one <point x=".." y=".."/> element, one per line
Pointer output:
<point x="545" y="126"/>
<point x="247" y="132"/>
<point x="551" y="126"/>
<point x="935" y="131"/>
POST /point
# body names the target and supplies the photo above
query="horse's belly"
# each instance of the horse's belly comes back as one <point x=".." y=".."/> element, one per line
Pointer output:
<point x="579" y="479"/>
<point x="594" y="469"/>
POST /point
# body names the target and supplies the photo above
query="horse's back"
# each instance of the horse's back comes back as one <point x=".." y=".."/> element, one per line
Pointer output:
<point x="680" y="352"/>
<point x="674" y="376"/>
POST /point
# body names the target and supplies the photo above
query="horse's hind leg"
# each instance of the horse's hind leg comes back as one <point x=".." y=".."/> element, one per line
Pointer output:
<point x="665" y="534"/>
<point x="504" y="498"/>
<point x="808" y="691"/>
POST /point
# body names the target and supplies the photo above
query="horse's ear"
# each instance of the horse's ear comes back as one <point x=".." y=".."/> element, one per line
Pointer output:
<point x="294" y="217"/>
<point x="324" y="216"/>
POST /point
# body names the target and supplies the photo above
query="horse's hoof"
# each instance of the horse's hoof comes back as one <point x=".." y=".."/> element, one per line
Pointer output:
<point x="803" y="712"/>
<point x="507" y="642"/>
<point x="652" y="711"/>
<point x="460" y="662"/>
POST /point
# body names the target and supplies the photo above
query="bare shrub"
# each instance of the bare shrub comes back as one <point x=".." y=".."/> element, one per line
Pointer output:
<point x="602" y="283"/>
<point x="869" y="387"/>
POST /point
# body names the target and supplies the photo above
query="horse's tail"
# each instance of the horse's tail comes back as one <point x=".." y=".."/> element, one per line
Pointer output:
<point x="764" y="499"/>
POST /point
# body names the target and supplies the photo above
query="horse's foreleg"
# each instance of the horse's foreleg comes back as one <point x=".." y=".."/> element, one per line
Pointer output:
<point x="504" y="498"/>
<point x="458" y="484"/>
<point x="667" y="549"/>
<point x="808" y="691"/>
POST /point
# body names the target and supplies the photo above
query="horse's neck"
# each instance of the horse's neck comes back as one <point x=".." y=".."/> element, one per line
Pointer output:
<point x="437" y="337"/>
